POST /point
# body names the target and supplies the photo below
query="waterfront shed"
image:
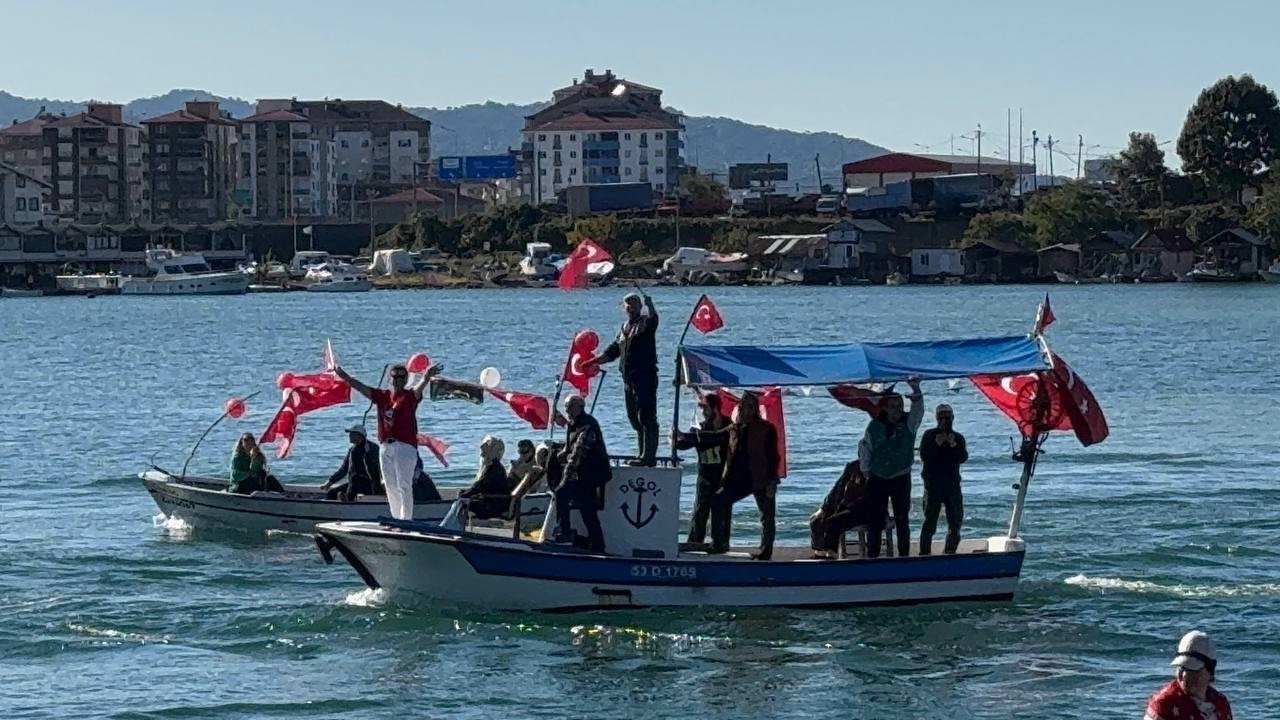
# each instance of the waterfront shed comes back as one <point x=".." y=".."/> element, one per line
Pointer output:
<point x="1163" y="252"/>
<point x="1060" y="258"/>
<point x="850" y="241"/>
<point x="998" y="261"/>
<point x="930" y="262"/>
<point x="1106" y="253"/>
<point x="1240" y="249"/>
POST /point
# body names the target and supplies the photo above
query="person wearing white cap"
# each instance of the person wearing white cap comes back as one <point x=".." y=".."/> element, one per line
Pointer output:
<point x="1191" y="694"/>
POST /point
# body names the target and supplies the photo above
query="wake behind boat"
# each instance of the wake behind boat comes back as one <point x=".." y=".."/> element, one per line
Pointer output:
<point x="644" y="564"/>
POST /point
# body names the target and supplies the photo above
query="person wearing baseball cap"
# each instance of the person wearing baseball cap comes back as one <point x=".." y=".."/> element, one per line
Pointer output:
<point x="1191" y="695"/>
<point x="360" y="472"/>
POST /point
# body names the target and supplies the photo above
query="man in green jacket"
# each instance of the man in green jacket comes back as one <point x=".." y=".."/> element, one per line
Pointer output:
<point x="886" y="453"/>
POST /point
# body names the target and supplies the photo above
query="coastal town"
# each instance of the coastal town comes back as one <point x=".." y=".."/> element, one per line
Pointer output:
<point x="347" y="195"/>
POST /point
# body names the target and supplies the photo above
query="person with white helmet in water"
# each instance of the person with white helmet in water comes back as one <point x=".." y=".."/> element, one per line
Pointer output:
<point x="1191" y="694"/>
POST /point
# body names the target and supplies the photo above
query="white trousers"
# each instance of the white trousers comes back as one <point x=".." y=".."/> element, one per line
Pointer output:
<point x="399" y="462"/>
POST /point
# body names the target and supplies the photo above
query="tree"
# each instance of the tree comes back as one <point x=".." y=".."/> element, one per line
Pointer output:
<point x="1140" y="171"/>
<point x="1069" y="214"/>
<point x="1000" y="226"/>
<point x="1264" y="216"/>
<point x="600" y="228"/>
<point x="1231" y="132"/>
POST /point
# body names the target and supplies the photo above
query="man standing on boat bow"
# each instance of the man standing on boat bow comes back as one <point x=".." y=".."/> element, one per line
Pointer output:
<point x="636" y="350"/>
<point x="397" y="431"/>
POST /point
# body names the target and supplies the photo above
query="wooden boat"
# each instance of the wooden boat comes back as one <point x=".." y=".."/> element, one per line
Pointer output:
<point x="20" y="293"/>
<point x="644" y="564"/>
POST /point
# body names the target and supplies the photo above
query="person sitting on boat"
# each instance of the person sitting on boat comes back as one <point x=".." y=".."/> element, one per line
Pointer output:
<point x="586" y="469"/>
<point x="490" y="494"/>
<point x="397" y="431"/>
<point x="942" y="452"/>
<point x="360" y="472"/>
<point x="712" y="450"/>
<point x="636" y="351"/>
<point x="750" y="468"/>
<point x="886" y="454"/>
<point x="1191" y="694"/>
<point x="424" y="488"/>
<point x="528" y="473"/>
<point x="248" y="467"/>
<point x="845" y="507"/>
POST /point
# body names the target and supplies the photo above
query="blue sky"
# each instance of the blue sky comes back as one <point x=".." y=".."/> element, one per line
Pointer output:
<point x="898" y="74"/>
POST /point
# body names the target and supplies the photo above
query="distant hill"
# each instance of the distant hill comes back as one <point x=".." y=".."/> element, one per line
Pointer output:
<point x="711" y="143"/>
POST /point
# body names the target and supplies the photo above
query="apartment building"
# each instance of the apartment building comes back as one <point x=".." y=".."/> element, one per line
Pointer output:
<point x="23" y="198"/>
<point x="191" y="163"/>
<point x="94" y="162"/>
<point x="287" y="166"/>
<point x="22" y="145"/>
<point x="601" y="130"/>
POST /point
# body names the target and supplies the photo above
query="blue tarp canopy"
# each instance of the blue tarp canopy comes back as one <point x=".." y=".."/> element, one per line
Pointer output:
<point x="763" y="365"/>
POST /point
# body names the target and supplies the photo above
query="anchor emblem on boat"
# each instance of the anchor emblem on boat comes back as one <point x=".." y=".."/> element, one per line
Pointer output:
<point x="640" y="487"/>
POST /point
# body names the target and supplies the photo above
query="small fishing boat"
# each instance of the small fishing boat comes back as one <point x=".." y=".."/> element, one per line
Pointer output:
<point x="645" y="566"/>
<point x="21" y="293"/>
<point x="1212" y="272"/>
<point x="204" y="502"/>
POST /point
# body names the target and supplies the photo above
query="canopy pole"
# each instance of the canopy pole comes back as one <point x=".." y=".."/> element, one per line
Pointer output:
<point x="1028" y="454"/>
<point x="205" y="434"/>
<point x="675" y="407"/>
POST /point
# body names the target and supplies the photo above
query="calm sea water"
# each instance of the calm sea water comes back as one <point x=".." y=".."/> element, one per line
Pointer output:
<point x="1169" y="525"/>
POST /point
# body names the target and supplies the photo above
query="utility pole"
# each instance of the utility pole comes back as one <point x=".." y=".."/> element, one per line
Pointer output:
<point x="1035" y="161"/>
<point x="1053" y="179"/>
<point x="369" y="194"/>
<point x="1080" y="157"/>
<point x="953" y="143"/>
<point x="817" y="161"/>
<point x="1008" y="136"/>
<point x="978" y="152"/>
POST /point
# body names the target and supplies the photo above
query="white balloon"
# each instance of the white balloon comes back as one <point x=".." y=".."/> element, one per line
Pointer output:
<point x="490" y="377"/>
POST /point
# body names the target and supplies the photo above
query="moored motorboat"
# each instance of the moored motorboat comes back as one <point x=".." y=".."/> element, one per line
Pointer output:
<point x="645" y="566"/>
<point x="1271" y="274"/>
<point x="183" y="274"/>
<point x="335" y="277"/>
<point x="21" y="292"/>
<point x="204" y="502"/>
<point x="1212" y="272"/>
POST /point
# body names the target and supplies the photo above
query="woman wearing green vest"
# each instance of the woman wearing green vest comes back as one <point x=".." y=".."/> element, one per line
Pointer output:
<point x="886" y="454"/>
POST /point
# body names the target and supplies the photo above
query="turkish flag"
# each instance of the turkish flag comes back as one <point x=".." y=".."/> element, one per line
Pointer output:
<point x="1044" y="316"/>
<point x="858" y="398"/>
<point x="1087" y="420"/>
<point x="706" y="318"/>
<point x="437" y="447"/>
<point x="533" y="409"/>
<point x="574" y="274"/>
<point x="576" y="373"/>
<point x="1047" y="400"/>
<point x="306" y="393"/>
<point x="770" y="412"/>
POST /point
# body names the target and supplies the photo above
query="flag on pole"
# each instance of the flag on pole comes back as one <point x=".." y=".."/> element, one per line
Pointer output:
<point x="575" y="372"/>
<point x="533" y="409"/>
<point x="306" y="230"/>
<point x="706" y="317"/>
<point x="574" y="274"/>
<point x="1044" y="316"/>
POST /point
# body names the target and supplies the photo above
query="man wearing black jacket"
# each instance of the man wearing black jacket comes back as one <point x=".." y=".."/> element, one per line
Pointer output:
<point x="712" y="451"/>
<point x="942" y="452"/>
<point x="636" y="351"/>
<point x="360" y="468"/>
<point x="585" y="463"/>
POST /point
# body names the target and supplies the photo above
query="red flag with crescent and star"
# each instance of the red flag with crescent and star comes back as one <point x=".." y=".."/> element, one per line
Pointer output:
<point x="533" y="409"/>
<point x="304" y="394"/>
<point x="1056" y="399"/>
<point x="573" y="276"/>
<point x="706" y="317"/>
<point x="1044" y="316"/>
<point x="770" y="411"/>
<point x="576" y="372"/>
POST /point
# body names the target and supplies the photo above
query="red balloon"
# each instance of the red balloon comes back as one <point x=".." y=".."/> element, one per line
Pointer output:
<point x="587" y="340"/>
<point x="418" y="363"/>
<point x="235" y="408"/>
<point x="285" y="380"/>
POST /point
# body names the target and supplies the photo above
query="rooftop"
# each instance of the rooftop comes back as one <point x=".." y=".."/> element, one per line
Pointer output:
<point x="407" y="197"/>
<point x="275" y="116"/>
<point x="605" y="121"/>
<point x="183" y="116"/>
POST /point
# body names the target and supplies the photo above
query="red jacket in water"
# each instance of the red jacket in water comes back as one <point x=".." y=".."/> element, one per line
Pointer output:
<point x="1173" y="703"/>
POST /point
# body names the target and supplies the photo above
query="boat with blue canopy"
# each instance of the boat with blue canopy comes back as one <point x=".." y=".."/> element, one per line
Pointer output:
<point x="645" y="566"/>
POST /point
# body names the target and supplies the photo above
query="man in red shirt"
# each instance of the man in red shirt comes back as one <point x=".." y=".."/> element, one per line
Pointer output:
<point x="397" y="432"/>
<point x="1191" y="695"/>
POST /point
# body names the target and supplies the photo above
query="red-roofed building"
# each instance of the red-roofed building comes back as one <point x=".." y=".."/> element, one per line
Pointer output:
<point x="191" y="164"/>
<point x="95" y="165"/>
<point x="881" y="170"/>
<point x="22" y="145"/>
<point x="601" y="130"/>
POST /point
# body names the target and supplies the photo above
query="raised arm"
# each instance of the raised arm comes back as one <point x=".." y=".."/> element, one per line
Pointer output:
<point x="651" y="323"/>
<point x="421" y="385"/>
<point x="355" y="384"/>
<point x="916" y="414"/>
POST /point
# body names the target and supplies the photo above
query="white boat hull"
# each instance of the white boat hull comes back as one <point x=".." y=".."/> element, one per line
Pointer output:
<point x="20" y="293"/>
<point x="202" y="502"/>
<point x="436" y="566"/>
<point x="211" y="284"/>
<point x="1270" y="275"/>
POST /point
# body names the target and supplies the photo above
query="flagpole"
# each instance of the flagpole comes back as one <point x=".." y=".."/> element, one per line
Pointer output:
<point x="599" y="385"/>
<point x="209" y="429"/>
<point x="675" y="405"/>
<point x="551" y="424"/>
